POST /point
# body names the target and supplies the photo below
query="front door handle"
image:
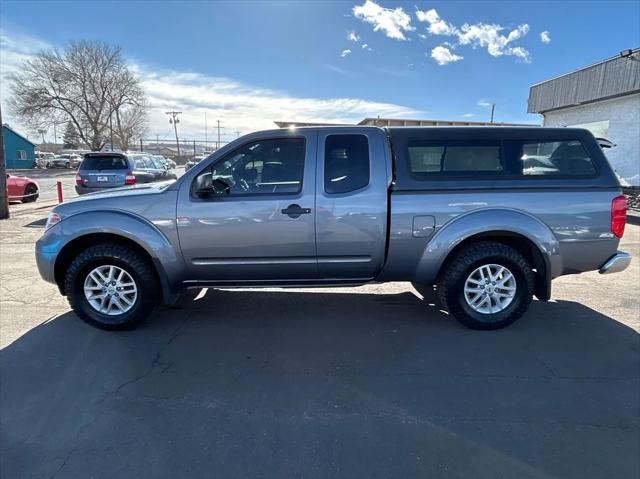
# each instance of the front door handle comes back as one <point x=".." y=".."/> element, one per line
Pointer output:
<point x="294" y="211"/>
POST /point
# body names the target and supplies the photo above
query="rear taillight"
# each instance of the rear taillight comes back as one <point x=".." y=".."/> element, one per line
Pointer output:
<point x="130" y="179"/>
<point x="618" y="215"/>
<point x="78" y="179"/>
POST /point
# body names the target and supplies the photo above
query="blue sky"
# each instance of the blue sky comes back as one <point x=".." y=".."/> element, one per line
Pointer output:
<point x="247" y="63"/>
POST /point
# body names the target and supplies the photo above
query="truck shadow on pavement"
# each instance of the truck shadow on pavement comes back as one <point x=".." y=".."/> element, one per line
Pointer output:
<point x="275" y="384"/>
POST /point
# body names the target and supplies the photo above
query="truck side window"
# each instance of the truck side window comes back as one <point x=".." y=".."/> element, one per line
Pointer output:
<point x="548" y="158"/>
<point x="457" y="157"/>
<point x="270" y="166"/>
<point x="346" y="163"/>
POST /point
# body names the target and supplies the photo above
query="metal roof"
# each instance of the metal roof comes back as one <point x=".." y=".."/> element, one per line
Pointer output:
<point x="417" y="122"/>
<point x="381" y="122"/>
<point x="18" y="134"/>
<point x="614" y="77"/>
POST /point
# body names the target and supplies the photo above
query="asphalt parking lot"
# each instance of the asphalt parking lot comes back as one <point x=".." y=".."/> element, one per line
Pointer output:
<point x="360" y="382"/>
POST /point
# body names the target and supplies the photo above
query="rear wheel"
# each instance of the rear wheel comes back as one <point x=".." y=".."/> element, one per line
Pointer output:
<point x="488" y="285"/>
<point x="30" y="193"/>
<point x="111" y="286"/>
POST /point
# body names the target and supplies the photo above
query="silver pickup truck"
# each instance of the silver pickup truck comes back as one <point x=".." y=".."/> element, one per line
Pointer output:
<point x="488" y="215"/>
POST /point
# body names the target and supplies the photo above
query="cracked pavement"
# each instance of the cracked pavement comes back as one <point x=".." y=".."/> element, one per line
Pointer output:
<point x="357" y="382"/>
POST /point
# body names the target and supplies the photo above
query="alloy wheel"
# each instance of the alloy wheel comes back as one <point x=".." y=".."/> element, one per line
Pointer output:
<point x="490" y="289"/>
<point x="110" y="290"/>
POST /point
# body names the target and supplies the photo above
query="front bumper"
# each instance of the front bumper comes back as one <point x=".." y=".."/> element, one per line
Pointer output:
<point x="618" y="262"/>
<point x="46" y="260"/>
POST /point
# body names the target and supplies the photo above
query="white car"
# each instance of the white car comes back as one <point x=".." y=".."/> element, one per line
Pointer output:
<point x="72" y="160"/>
<point x="44" y="159"/>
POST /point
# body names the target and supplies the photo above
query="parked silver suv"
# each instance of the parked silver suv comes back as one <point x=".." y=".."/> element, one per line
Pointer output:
<point x="105" y="170"/>
<point x="488" y="215"/>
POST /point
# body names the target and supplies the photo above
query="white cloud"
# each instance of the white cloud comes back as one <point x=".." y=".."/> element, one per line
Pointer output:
<point x="352" y="36"/>
<point x="468" y="115"/>
<point x="545" y="37"/>
<point x="442" y="55"/>
<point x="365" y="46"/>
<point x="478" y="35"/>
<point x="489" y="36"/>
<point x="484" y="103"/>
<point x="437" y="26"/>
<point x="345" y="53"/>
<point x="15" y="48"/>
<point x="240" y="106"/>
<point x="246" y="108"/>
<point x="393" y="22"/>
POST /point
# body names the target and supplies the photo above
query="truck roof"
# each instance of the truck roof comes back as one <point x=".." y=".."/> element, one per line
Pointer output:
<point x="485" y="130"/>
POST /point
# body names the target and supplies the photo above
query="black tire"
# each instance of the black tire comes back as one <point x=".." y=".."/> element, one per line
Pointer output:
<point x="136" y="265"/>
<point x="452" y="280"/>
<point x="30" y="193"/>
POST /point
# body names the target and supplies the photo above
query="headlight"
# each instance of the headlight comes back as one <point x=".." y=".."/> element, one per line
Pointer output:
<point x="52" y="219"/>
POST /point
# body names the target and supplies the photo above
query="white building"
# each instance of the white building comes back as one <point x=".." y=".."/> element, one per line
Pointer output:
<point x="603" y="98"/>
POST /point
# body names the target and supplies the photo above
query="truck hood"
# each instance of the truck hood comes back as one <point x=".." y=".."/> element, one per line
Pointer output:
<point x="133" y="190"/>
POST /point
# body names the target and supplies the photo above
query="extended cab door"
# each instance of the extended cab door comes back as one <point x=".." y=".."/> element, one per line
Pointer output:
<point x="256" y="223"/>
<point x="353" y="178"/>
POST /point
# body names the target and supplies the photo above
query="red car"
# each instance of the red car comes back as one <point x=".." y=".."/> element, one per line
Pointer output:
<point x="22" y="189"/>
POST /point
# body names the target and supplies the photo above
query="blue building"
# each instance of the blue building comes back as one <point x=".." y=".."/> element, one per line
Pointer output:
<point x="18" y="151"/>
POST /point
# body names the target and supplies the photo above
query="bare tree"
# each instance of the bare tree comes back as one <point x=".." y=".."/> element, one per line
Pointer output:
<point x="85" y="84"/>
<point x="129" y="123"/>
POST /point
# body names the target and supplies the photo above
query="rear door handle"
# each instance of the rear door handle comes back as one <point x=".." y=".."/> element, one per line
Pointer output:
<point x="294" y="211"/>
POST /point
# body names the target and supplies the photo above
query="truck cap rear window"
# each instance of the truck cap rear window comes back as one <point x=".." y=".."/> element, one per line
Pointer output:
<point x="104" y="162"/>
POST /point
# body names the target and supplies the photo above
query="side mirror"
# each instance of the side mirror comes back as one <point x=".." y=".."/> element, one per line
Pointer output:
<point x="204" y="185"/>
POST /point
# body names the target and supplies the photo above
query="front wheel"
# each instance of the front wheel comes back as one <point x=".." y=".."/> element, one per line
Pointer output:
<point x="488" y="285"/>
<point x="30" y="193"/>
<point x="111" y="286"/>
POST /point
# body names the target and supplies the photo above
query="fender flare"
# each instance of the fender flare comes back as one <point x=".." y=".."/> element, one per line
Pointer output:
<point x="167" y="262"/>
<point x="498" y="220"/>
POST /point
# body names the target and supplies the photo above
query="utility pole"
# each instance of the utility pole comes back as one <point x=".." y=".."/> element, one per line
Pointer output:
<point x="4" y="199"/>
<point x="173" y="119"/>
<point x="493" y="109"/>
<point x="218" y="147"/>
<point x="55" y="131"/>
<point x="237" y="134"/>
<point x="42" y="132"/>
<point x="205" y="128"/>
